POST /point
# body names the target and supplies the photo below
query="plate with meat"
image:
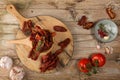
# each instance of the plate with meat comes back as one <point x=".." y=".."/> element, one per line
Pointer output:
<point x="43" y="43"/>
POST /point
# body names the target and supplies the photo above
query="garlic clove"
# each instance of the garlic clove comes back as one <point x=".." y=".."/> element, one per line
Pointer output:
<point x="106" y="37"/>
<point x="108" y="50"/>
<point x="98" y="46"/>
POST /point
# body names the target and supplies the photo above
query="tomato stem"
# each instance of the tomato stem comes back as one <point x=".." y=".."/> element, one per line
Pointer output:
<point x="96" y="63"/>
<point x="95" y="70"/>
<point x="88" y="73"/>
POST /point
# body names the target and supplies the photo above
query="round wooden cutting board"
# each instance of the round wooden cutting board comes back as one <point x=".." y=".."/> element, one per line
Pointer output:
<point x="46" y="22"/>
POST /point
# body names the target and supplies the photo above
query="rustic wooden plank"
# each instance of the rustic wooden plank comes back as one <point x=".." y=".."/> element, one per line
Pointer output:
<point x="51" y="4"/>
<point x="93" y="43"/>
<point x="86" y="4"/>
<point x="4" y="78"/>
<point x="7" y="36"/>
<point x="3" y="41"/>
<point x="78" y="38"/>
<point x="87" y="37"/>
<point x="111" y="77"/>
<point x="55" y="78"/>
<point x="91" y="14"/>
<point x="8" y="28"/>
<point x="3" y="72"/>
<point x="78" y="5"/>
<point x="7" y="18"/>
<point x="86" y="52"/>
<point x="8" y="52"/>
<point x="6" y="48"/>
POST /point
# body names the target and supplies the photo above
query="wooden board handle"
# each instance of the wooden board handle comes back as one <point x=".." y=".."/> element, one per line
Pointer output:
<point x="25" y="42"/>
<point x="11" y="9"/>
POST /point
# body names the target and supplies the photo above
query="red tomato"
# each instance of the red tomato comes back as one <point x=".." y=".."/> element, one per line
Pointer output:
<point x="84" y="65"/>
<point x="98" y="59"/>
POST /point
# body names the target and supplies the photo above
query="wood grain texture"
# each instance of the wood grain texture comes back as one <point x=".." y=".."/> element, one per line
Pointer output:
<point x="84" y="41"/>
<point x="46" y="22"/>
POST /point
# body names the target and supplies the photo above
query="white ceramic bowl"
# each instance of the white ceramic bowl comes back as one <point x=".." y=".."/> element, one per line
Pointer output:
<point x="111" y="27"/>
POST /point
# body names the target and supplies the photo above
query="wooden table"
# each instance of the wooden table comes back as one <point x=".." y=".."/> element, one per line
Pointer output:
<point x="68" y="11"/>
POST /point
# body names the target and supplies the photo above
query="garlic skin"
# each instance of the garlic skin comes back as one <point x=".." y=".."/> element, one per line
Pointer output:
<point x="17" y="73"/>
<point x="108" y="50"/>
<point x="6" y="62"/>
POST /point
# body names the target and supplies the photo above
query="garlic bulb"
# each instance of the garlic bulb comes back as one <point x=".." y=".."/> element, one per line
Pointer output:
<point x="17" y="73"/>
<point x="6" y="62"/>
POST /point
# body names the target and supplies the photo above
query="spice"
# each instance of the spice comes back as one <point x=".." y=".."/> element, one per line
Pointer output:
<point x="39" y="45"/>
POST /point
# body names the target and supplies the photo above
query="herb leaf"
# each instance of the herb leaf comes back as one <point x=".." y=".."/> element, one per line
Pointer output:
<point x="39" y="45"/>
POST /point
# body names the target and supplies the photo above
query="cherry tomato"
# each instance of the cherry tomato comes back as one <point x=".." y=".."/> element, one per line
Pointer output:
<point x="98" y="59"/>
<point x="84" y="65"/>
